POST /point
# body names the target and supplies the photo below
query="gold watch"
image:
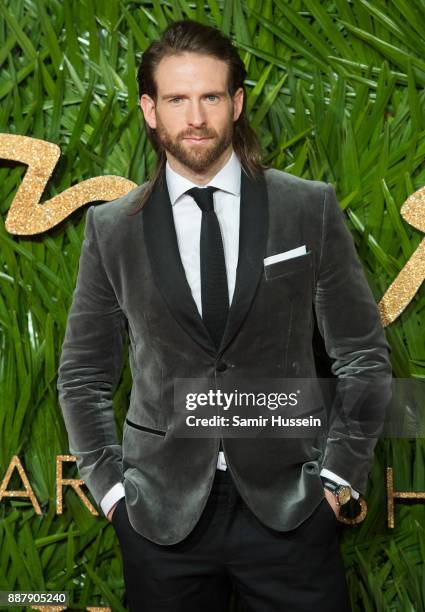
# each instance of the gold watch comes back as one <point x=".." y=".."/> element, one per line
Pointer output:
<point x="342" y="493"/>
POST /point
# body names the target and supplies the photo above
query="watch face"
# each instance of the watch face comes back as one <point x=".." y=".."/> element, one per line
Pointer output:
<point x="344" y="494"/>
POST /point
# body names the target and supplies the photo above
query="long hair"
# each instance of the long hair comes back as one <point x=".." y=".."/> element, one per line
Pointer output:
<point x="187" y="35"/>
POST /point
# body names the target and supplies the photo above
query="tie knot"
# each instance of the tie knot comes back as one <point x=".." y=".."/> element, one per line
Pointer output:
<point x="203" y="196"/>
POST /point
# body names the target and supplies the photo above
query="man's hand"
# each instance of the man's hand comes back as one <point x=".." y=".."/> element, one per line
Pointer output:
<point x="332" y="501"/>
<point x="111" y="511"/>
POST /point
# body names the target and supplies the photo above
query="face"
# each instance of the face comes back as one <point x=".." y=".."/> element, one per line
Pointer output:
<point x="194" y="114"/>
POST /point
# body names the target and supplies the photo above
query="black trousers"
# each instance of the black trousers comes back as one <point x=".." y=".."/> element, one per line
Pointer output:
<point x="299" y="570"/>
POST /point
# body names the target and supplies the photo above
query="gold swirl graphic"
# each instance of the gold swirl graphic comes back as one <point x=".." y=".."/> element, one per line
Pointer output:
<point x="26" y="215"/>
<point x="408" y="281"/>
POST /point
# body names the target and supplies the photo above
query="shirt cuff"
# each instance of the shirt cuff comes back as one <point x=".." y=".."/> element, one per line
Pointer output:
<point x="112" y="496"/>
<point x="332" y="476"/>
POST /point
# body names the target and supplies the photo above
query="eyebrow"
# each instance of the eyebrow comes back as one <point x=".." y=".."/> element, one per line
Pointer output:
<point x="178" y="95"/>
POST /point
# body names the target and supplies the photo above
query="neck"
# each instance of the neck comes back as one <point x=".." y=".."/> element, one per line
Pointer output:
<point x="199" y="178"/>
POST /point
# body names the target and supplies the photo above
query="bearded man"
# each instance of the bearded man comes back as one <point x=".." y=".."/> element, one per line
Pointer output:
<point x="219" y="269"/>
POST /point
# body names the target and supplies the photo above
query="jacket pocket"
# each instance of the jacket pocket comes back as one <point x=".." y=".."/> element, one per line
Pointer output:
<point x="158" y="432"/>
<point x="288" y="266"/>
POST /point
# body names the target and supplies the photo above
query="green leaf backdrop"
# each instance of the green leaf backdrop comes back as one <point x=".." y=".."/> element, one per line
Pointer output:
<point x="336" y="93"/>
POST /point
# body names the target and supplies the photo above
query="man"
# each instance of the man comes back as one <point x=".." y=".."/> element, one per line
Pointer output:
<point x="216" y="270"/>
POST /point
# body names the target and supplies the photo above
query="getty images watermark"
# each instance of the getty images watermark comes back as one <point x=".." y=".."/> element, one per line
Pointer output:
<point x="307" y="407"/>
<point x="242" y="399"/>
<point x="271" y="408"/>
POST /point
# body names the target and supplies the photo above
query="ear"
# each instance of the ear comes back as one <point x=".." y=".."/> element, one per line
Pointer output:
<point x="237" y="103"/>
<point x="148" y="107"/>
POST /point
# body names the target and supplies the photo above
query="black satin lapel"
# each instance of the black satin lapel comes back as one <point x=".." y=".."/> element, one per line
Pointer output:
<point x="168" y="271"/>
<point x="253" y="232"/>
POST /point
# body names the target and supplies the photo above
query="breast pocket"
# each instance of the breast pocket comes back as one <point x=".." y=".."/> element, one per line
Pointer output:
<point x="291" y="268"/>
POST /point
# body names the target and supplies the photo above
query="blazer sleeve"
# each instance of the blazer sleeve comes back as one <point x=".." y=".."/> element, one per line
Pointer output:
<point x="349" y="322"/>
<point x="90" y="365"/>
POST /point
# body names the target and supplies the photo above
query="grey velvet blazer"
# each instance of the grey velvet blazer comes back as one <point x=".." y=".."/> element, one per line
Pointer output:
<point x="131" y="285"/>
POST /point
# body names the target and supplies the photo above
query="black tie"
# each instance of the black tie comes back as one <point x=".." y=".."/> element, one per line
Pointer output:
<point x="214" y="290"/>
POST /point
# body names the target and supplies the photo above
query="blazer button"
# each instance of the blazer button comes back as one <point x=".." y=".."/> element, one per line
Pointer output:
<point x="221" y="366"/>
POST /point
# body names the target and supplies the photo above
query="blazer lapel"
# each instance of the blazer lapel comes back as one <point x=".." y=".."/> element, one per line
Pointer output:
<point x="162" y="247"/>
<point x="253" y="232"/>
<point x="168" y="271"/>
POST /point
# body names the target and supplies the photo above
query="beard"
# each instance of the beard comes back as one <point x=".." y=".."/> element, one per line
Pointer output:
<point x="197" y="157"/>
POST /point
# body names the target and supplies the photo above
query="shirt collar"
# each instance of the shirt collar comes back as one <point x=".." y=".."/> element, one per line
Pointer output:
<point x="226" y="179"/>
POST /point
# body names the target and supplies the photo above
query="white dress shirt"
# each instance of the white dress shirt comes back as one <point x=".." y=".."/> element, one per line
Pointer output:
<point x="187" y="220"/>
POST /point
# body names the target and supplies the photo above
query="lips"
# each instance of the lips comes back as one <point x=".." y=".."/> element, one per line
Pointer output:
<point x="197" y="139"/>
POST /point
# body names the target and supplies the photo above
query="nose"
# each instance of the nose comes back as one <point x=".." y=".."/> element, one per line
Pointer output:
<point x="195" y="114"/>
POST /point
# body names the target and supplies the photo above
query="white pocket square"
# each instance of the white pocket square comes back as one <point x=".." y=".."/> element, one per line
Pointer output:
<point x="301" y="250"/>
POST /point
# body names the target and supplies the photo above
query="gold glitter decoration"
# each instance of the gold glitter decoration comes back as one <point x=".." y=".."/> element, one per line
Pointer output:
<point x="392" y="495"/>
<point x="357" y="519"/>
<point x="26" y="215"/>
<point x="413" y="210"/>
<point x="406" y="284"/>
<point x="16" y="463"/>
<point x="75" y="483"/>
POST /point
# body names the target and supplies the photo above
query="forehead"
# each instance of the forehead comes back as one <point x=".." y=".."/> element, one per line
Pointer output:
<point x="191" y="72"/>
